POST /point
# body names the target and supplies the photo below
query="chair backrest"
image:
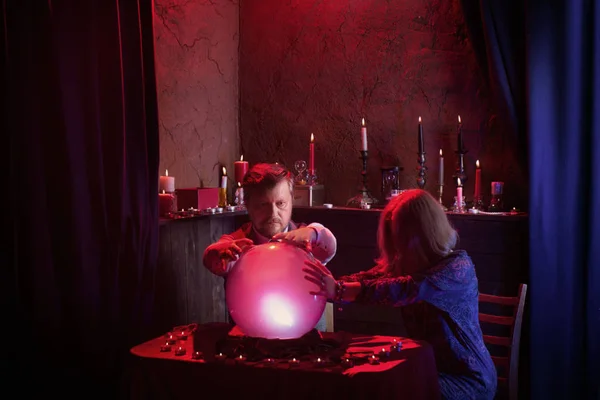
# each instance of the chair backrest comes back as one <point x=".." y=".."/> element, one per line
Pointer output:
<point x="507" y="366"/>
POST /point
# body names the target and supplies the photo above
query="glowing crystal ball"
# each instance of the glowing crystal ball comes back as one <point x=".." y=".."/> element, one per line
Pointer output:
<point x="267" y="294"/>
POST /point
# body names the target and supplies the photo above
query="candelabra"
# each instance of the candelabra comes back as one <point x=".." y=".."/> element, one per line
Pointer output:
<point x="460" y="169"/>
<point x="441" y="193"/>
<point x="363" y="198"/>
<point x="421" y="175"/>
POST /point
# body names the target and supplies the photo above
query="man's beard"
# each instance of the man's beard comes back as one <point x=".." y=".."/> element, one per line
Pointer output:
<point x="273" y="227"/>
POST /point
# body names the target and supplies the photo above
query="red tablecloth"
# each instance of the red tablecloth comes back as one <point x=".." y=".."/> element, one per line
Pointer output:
<point x="408" y="374"/>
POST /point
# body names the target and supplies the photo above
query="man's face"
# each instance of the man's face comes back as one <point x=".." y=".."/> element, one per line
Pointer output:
<point x="270" y="211"/>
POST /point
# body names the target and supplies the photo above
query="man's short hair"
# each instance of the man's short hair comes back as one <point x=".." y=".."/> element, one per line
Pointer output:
<point x="263" y="177"/>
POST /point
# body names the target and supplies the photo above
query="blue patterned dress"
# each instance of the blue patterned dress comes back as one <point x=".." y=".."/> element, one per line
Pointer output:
<point x="441" y="307"/>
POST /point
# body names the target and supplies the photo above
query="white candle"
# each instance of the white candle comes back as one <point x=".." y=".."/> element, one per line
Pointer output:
<point x="441" y="168"/>
<point x="459" y="193"/>
<point x="363" y="136"/>
<point x="166" y="183"/>
<point x="224" y="179"/>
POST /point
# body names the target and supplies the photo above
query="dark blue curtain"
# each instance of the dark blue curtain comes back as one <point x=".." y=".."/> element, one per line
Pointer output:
<point x="542" y="63"/>
<point x="82" y="123"/>
<point x="564" y="131"/>
<point x="497" y="34"/>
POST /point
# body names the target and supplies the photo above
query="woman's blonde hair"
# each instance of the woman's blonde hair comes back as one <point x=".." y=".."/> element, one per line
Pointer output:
<point x="413" y="222"/>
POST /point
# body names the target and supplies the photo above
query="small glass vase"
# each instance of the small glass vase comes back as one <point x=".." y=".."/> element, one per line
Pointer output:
<point x="462" y="208"/>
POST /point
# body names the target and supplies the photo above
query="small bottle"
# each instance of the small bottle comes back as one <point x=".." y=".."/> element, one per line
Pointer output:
<point x="497" y="201"/>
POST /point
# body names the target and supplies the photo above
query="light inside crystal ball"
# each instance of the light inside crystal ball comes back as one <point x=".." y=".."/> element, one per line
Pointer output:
<point x="267" y="294"/>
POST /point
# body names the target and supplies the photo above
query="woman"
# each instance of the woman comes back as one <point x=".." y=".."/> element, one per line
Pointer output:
<point x="436" y="286"/>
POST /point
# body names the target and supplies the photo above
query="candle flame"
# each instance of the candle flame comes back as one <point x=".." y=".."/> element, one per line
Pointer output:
<point x="242" y="158"/>
<point x="319" y="359"/>
<point x="458" y="182"/>
<point x="239" y="184"/>
<point x="224" y="171"/>
<point x="477" y="164"/>
<point x="241" y="356"/>
<point x="419" y="119"/>
<point x="363" y="122"/>
<point x="441" y="153"/>
<point x="166" y="172"/>
<point x="459" y="120"/>
<point x="163" y="191"/>
<point x="312" y="138"/>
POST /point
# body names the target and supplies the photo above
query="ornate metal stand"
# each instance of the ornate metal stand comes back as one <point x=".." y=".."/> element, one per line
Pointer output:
<point x="460" y="168"/>
<point x="421" y="175"/>
<point x="441" y="193"/>
<point x="363" y="197"/>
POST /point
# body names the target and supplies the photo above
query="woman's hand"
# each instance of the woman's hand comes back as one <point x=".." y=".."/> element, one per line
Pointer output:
<point x="302" y="237"/>
<point x="318" y="274"/>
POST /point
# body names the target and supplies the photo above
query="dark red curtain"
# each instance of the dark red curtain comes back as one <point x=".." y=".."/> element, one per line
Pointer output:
<point x="82" y="125"/>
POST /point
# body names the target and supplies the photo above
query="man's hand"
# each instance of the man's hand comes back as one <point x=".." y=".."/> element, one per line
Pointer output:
<point x="225" y="251"/>
<point x="302" y="237"/>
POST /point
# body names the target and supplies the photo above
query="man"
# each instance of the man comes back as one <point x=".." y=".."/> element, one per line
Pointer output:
<point x="268" y="194"/>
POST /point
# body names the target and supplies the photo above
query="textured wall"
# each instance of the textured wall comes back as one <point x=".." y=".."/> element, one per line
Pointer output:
<point x="319" y="66"/>
<point x="197" y="77"/>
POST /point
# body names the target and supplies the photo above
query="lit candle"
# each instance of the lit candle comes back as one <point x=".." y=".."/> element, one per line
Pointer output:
<point x="347" y="363"/>
<point x="477" y="193"/>
<point x="182" y="335"/>
<point x="171" y="340"/>
<point x="363" y="136"/>
<point x="373" y="360"/>
<point x="166" y="347"/>
<point x="224" y="179"/>
<point x="240" y="169"/>
<point x="197" y="355"/>
<point x="441" y="168"/>
<point x="220" y="357"/>
<point x="241" y="358"/>
<point x="420" y="138"/>
<point x="180" y="351"/>
<point x="166" y="204"/>
<point x="460" y="136"/>
<point x="166" y="183"/>
<point x="294" y="361"/>
<point x="459" y="193"/>
<point x="311" y="165"/>
<point x="239" y="194"/>
<point x="384" y="353"/>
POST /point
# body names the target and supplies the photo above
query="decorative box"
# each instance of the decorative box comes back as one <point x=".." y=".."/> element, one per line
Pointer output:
<point x="198" y="198"/>
<point x="309" y="195"/>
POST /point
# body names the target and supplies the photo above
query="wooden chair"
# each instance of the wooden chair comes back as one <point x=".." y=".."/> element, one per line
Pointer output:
<point x="507" y="366"/>
<point x="329" y="316"/>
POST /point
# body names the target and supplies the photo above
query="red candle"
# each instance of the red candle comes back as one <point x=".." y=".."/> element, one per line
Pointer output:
<point x="166" y="204"/>
<point x="311" y="165"/>
<point x="240" y="169"/>
<point x="477" y="193"/>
